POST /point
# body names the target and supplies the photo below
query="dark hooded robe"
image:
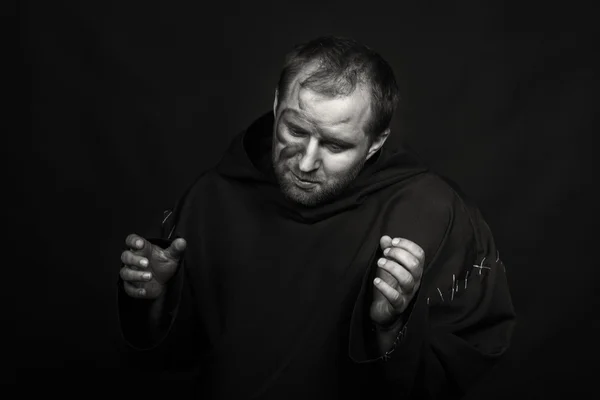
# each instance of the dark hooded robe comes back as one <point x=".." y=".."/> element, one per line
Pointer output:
<point x="271" y="299"/>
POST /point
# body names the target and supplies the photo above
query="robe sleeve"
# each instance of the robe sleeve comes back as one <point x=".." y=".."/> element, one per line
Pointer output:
<point x="459" y="323"/>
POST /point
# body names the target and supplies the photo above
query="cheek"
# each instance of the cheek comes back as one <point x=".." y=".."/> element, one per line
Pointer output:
<point x="280" y="136"/>
<point x="289" y="150"/>
<point x="339" y="164"/>
<point x="285" y="146"/>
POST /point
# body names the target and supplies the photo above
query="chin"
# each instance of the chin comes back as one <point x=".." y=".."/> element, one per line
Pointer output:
<point x="313" y="199"/>
<point x="297" y="196"/>
<point x="305" y="203"/>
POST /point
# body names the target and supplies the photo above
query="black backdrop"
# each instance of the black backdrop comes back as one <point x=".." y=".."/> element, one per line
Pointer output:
<point x="129" y="101"/>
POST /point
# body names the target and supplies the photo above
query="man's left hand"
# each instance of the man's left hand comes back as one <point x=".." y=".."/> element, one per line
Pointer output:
<point x="398" y="278"/>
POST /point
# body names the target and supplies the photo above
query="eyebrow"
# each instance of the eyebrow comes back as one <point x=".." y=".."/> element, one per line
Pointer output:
<point x="304" y="121"/>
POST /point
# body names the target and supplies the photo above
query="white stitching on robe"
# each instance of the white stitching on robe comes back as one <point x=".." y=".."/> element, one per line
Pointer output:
<point x="456" y="283"/>
<point x="400" y="336"/>
<point x="167" y="216"/>
<point x="481" y="266"/>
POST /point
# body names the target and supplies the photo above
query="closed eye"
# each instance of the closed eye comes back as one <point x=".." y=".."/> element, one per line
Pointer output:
<point x="335" y="148"/>
<point x="298" y="132"/>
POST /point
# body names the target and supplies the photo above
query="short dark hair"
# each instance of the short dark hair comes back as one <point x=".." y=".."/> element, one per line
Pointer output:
<point x="341" y="64"/>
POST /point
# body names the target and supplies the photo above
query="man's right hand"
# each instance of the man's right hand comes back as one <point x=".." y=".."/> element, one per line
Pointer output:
<point x="147" y="267"/>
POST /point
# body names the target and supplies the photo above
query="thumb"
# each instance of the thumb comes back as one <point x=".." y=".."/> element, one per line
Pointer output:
<point x="176" y="248"/>
<point x="385" y="242"/>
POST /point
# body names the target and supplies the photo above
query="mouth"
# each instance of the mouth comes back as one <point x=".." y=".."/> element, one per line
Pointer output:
<point x="301" y="183"/>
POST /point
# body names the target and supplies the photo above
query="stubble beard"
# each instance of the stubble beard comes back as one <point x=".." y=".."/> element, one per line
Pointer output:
<point x="323" y="193"/>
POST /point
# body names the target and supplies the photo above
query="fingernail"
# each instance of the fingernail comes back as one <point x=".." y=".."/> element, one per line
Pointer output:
<point x="147" y="275"/>
<point x="142" y="292"/>
<point x="381" y="261"/>
<point x="386" y="251"/>
<point x="144" y="262"/>
<point x="395" y="241"/>
<point x="377" y="280"/>
<point x="138" y="243"/>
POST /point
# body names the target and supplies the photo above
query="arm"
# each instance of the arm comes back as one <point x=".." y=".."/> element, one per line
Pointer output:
<point x="162" y="334"/>
<point x="459" y="325"/>
<point x="144" y="323"/>
<point x="386" y="337"/>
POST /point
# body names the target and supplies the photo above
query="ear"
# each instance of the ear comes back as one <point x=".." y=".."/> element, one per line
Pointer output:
<point x="275" y="103"/>
<point x="378" y="142"/>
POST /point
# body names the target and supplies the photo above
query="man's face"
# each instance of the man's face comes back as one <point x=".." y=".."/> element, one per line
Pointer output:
<point x="319" y="145"/>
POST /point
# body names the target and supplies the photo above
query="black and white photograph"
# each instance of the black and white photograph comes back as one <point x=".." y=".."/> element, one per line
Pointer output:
<point x="304" y="200"/>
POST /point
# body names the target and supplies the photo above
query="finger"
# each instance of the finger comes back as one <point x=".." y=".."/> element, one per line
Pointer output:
<point x="409" y="245"/>
<point x="385" y="242"/>
<point x="131" y="275"/>
<point x="406" y="259"/>
<point x="176" y="248"/>
<point x="405" y="279"/>
<point x="391" y="294"/>
<point x="129" y="258"/>
<point x="133" y="291"/>
<point x="135" y="242"/>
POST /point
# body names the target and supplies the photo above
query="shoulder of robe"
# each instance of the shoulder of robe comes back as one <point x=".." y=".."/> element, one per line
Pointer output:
<point x="430" y="211"/>
<point x="428" y="198"/>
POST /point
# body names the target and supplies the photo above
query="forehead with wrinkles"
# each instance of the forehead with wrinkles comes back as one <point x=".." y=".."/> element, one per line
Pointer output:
<point x="346" y="115"/>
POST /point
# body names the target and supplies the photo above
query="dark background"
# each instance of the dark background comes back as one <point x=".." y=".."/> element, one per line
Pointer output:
<point x="128" y="101"/>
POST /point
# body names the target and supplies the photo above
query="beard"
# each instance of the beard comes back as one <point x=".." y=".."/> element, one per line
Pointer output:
<point x="327" y="188"/>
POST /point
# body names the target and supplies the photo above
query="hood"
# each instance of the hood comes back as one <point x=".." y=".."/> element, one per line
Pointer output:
<point x="248" y="160"/>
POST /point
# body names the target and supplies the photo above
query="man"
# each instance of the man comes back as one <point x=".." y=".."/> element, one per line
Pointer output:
<point x="313" y="262"/>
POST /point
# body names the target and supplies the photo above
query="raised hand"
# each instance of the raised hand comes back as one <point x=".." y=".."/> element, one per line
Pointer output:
<point x="147" y="267"/>
<point x="398" y="278"/>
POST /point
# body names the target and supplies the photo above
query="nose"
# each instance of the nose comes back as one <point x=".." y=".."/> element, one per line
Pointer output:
<point x="310" y="160"/>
